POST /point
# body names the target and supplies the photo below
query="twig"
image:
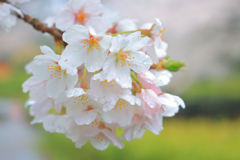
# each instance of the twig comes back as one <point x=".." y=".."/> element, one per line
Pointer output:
<point x="57" y="34"/>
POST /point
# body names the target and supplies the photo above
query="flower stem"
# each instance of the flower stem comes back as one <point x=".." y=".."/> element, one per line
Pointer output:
<point x="84" y="79"/>
<point x="123" y="33"/>
<point x="136" y="79"/>
<point x="84" y="71"/>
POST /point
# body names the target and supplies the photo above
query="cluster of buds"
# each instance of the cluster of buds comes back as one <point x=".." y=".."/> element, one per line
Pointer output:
<point x="106" y="75"/>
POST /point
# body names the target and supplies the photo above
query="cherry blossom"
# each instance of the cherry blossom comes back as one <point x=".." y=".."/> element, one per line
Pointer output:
<point x="85" y="46"/>
<point x="38" y="99"/>
<point x="101" y="135"/>
<point x="46" y="67"/>
<point x="139" y="125"/>
<point x="156" y="47"/>
<point x="125" y="56"/>
<point x="121" y="110"/>
<point x="106" y="91"/>
<point x="7" y="19"/>
<point x="84" y="12"/>
<point x="162" y="77"/>
<point x="170" y="104"/>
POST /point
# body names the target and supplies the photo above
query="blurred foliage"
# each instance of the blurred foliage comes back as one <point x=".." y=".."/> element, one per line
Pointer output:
<point x="186" y="139"/>
<point x="12" y="87"/>
<point x="226" y="87"/>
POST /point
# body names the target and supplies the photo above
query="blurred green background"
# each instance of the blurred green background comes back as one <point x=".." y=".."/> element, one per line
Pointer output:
<point x="204" y="34"/>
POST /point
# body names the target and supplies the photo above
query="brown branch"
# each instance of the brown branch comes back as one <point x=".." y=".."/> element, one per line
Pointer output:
<point x="57" y="34"/>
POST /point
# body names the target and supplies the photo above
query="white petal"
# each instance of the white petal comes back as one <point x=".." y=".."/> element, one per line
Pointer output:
<point x="157" y="27"/>
<point x="81" y="142"/>
<point x="40" y="69"/>
<point x="75" y="34"/>
<point x="55" y="87"/>
<point x="48" y="123"/>
<point x="48" y="51"/>
<point x="141" y="62"/>
<point x="72" y="58"/>
<point x="100" y="145"/>
<point x="108" y="106"/>
<point x="86" y="117"/>
<point x="109" y="67"/>
<point x="111" y="135"/>
<point x="75" y="92"/>
<point x="64" y="20"/>
<point x="160" y="48"/>
<point x="118" y="43"/>
<point x="71" y="81"/>
<point x="4" y="10"/>
<point x="92" y="31"/>
<point x="146" y="26"/>
<point x="162" y="77"/>
<point x="133" y="37"/>
<point x="76" y="5"/>
<point x="105" y="42"/>
<point x="137" y="45"/>
<point x="151" y="51"/>
<point x="123" y="77"/>
<point x="95" y="59"/>
<point x="93" y="6"/>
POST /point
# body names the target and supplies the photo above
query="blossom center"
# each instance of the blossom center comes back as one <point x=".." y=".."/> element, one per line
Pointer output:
<point x="94" y="123"/>
<point x="100" y="137"/>
<point x="121" y="104"/>
<point x="106" y="83"/>
<point x="83" y="99"/>
<point x="124" y="58"/>
<point x="56" y="71"/>
<point x="161" y="33"/>
<point x="91" y="43"/>
<point x="82" y="17"/>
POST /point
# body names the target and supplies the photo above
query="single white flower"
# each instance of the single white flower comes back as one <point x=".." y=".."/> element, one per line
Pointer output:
<point x="7" y="19"/>
<point x="125" y="56"/>
<point x="36" y="89"/>
<point x="156" y="47"/>
<point x="100" y="134"/>
<point x="80" y="105"/>
<point x="150" y="101"/>
<point x="163" y="78"/>
<point x="106" y="91"/>
<point x="139" y="125"/>
<point x="84" y="12"/>
<point x="39" y="101"/>
<point x="147" y="79"/>
<point x="170" y="104"/>
<point x="62" y="124"/>
<point x="46" y="67"/>
<point x="85" y="46"/>
<point x="121" y="110"/>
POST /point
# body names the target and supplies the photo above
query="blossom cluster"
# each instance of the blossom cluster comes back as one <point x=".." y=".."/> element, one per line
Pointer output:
<point x="7" y="18"/>
<point x="107" y="77"/>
